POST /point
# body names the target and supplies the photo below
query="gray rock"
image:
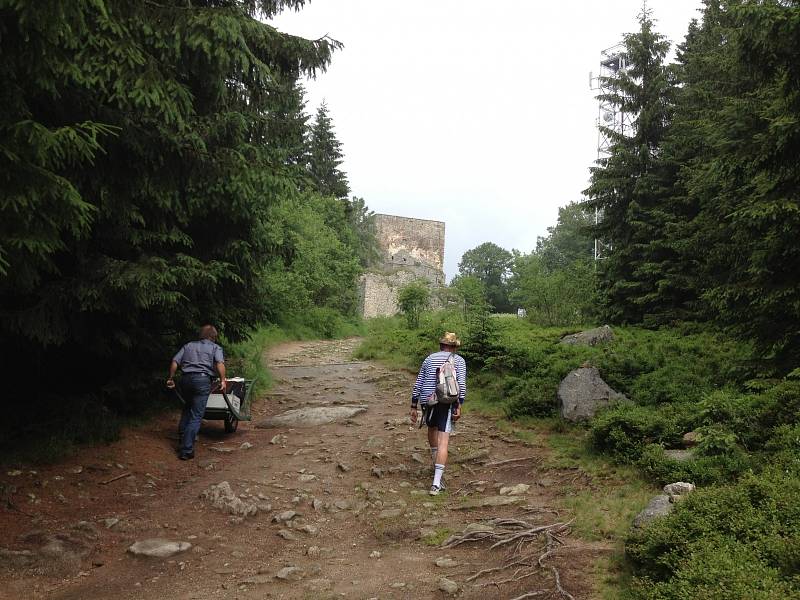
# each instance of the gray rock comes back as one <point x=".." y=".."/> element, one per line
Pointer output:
<point x="658" y="507"/>
<point x="590" y="337"/>
<point x="284" y="516"/>
<point x="245" y="446"/>
<point x="679" y="488"/>
<point x="311" y="416"/>
<point x="582" y="392"/>
<point x="290" y="574"/>
<point x="313" y="552"/>
<point x="514" y="490"/>
<point x="287" y="535"/>
<point x="221" y="496"/>
<point x="445" y="562"/>
<point x="158" y="548"/>
<point x="448" y="586"/>
<point x="390" y="513"/>
<point x="680" y="455"/>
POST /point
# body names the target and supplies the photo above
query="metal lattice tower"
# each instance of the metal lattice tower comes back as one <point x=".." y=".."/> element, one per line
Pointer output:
<point x="613" y="61"/>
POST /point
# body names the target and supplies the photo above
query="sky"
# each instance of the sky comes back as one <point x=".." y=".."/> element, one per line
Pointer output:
<point x="478" y="114"/>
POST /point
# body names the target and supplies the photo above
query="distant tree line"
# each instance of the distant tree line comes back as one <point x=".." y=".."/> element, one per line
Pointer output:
<point x="159" y="171"/>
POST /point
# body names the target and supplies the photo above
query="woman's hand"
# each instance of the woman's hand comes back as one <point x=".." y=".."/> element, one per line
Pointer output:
<point x="457" y="412"/>
<point x="413" y="415"/>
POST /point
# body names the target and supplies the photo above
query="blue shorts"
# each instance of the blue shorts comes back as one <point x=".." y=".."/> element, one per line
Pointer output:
<point x="440" y="416"/>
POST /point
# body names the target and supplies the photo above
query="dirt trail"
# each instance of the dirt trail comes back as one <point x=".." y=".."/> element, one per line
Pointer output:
<point x="365" y="526"/>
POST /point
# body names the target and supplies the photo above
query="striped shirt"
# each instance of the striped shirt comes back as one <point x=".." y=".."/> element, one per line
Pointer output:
<point x="426" y="380"/>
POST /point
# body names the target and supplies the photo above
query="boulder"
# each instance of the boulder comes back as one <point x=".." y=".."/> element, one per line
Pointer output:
<point x="448" y="586"/>
<point x="658" y="507"/>
<point x="582" y="392"/>
<point x="590" y="337"/>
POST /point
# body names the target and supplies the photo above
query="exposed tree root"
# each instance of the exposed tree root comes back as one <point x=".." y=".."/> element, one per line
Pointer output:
<point x="527" y="556"/>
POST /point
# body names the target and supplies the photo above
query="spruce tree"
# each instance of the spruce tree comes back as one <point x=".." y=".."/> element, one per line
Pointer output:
<point x="632" y="185"/>
<point x="325" y="157"/>
<point x="145" y="188"/>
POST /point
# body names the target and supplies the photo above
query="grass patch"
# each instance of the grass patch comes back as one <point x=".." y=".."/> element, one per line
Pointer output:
<point x="438" y="537"/>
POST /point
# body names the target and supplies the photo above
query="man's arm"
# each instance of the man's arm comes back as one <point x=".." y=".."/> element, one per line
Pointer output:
<point x="173" y="368"/>
<point x="423" y="371"/>
<point x="221" y="371"/>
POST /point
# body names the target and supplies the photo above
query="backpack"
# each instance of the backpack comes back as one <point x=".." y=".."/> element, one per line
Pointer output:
<point x="447" y="388"/>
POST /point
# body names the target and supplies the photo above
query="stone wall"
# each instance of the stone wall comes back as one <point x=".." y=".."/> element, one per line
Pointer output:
<point x="412" y="249"/>
<point x="419" y="240"/>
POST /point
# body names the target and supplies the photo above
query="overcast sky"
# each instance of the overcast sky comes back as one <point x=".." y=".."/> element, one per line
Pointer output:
<point x="478" y="114"/>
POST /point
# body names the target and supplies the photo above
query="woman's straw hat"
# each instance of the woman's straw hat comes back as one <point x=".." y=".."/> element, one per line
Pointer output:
<point x="450" y="339"/>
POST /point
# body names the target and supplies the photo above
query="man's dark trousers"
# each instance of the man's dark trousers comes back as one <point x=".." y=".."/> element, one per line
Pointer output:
<point x="195" y="388"/>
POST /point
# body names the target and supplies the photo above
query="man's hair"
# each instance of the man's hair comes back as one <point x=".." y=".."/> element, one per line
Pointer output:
<point x="208" y="332"/>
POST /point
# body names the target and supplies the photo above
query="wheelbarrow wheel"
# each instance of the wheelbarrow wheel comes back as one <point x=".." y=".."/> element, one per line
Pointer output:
<point x="231" y="423"/>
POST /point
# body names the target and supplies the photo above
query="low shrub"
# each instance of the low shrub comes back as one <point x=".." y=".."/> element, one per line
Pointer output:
<point x="735" y="541"/>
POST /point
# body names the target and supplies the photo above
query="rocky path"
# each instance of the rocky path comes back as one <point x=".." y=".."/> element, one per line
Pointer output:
<point x="281" y="509"/>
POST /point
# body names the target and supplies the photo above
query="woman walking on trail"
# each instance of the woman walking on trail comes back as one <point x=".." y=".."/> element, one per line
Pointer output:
<point x="198" y="362"/>
<point x="438" y="409"/>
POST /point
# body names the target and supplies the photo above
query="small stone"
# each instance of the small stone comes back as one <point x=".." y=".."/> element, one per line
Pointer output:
<point x="290" y="574"/>
<point x="679" y="488"/>
<point x="445" y="562"/>
<point x="76" y="470"/>
<point x="284" y="516"/>
<point x="344" y="468"/>
<point x="398" y="585"/>
<point x="221" y="449"/>
<point x="417" y="458"/>
<point x="287" y="535"/>
<point x="514" y="490"/>
<point x="14" y="473"/>
<point x="377" y="472"/>
<point x="306" y="477"/>
<point x="448" y="586"/>
<point x="158" y="548"/>
<point x="375" y="554"/>
<point x="317" y="504"/>
<point x="278" y="439"/>
<point x="342" y="504"/>
<point x="309" y="529"/>
<point x="109" y="523"/>
<point x="313" y="552"/>
<point x="245" y="446"/>
<point x="390" y="513"/>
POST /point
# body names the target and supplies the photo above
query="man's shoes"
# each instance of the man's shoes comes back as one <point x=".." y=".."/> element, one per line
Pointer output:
<point x="186" y="455"/>
<point x="442" y="485"/>
<point x="434" y="491"/>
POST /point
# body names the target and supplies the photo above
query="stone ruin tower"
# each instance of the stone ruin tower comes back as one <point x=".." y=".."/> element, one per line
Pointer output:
<point x="412" y="249"/>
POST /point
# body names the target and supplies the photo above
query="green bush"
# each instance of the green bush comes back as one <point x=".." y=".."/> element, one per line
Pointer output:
<point x="735" y="541"/>
<point x="625" y="429"/>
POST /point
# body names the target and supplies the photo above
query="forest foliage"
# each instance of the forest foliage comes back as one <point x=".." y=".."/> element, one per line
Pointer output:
<point x="159" y="171"/>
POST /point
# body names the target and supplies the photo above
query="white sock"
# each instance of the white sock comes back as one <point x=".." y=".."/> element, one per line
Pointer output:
<point x="437" y="475"/>
<point x="433" y="454"/>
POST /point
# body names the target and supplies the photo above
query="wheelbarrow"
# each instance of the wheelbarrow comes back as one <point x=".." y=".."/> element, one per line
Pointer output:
<point x="230" y="405"/>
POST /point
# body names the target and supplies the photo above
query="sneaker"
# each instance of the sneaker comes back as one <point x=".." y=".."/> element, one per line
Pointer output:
<point x="442" y="485"/>
<point x="434" y="491"/>
<point x="187" y="456"/>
